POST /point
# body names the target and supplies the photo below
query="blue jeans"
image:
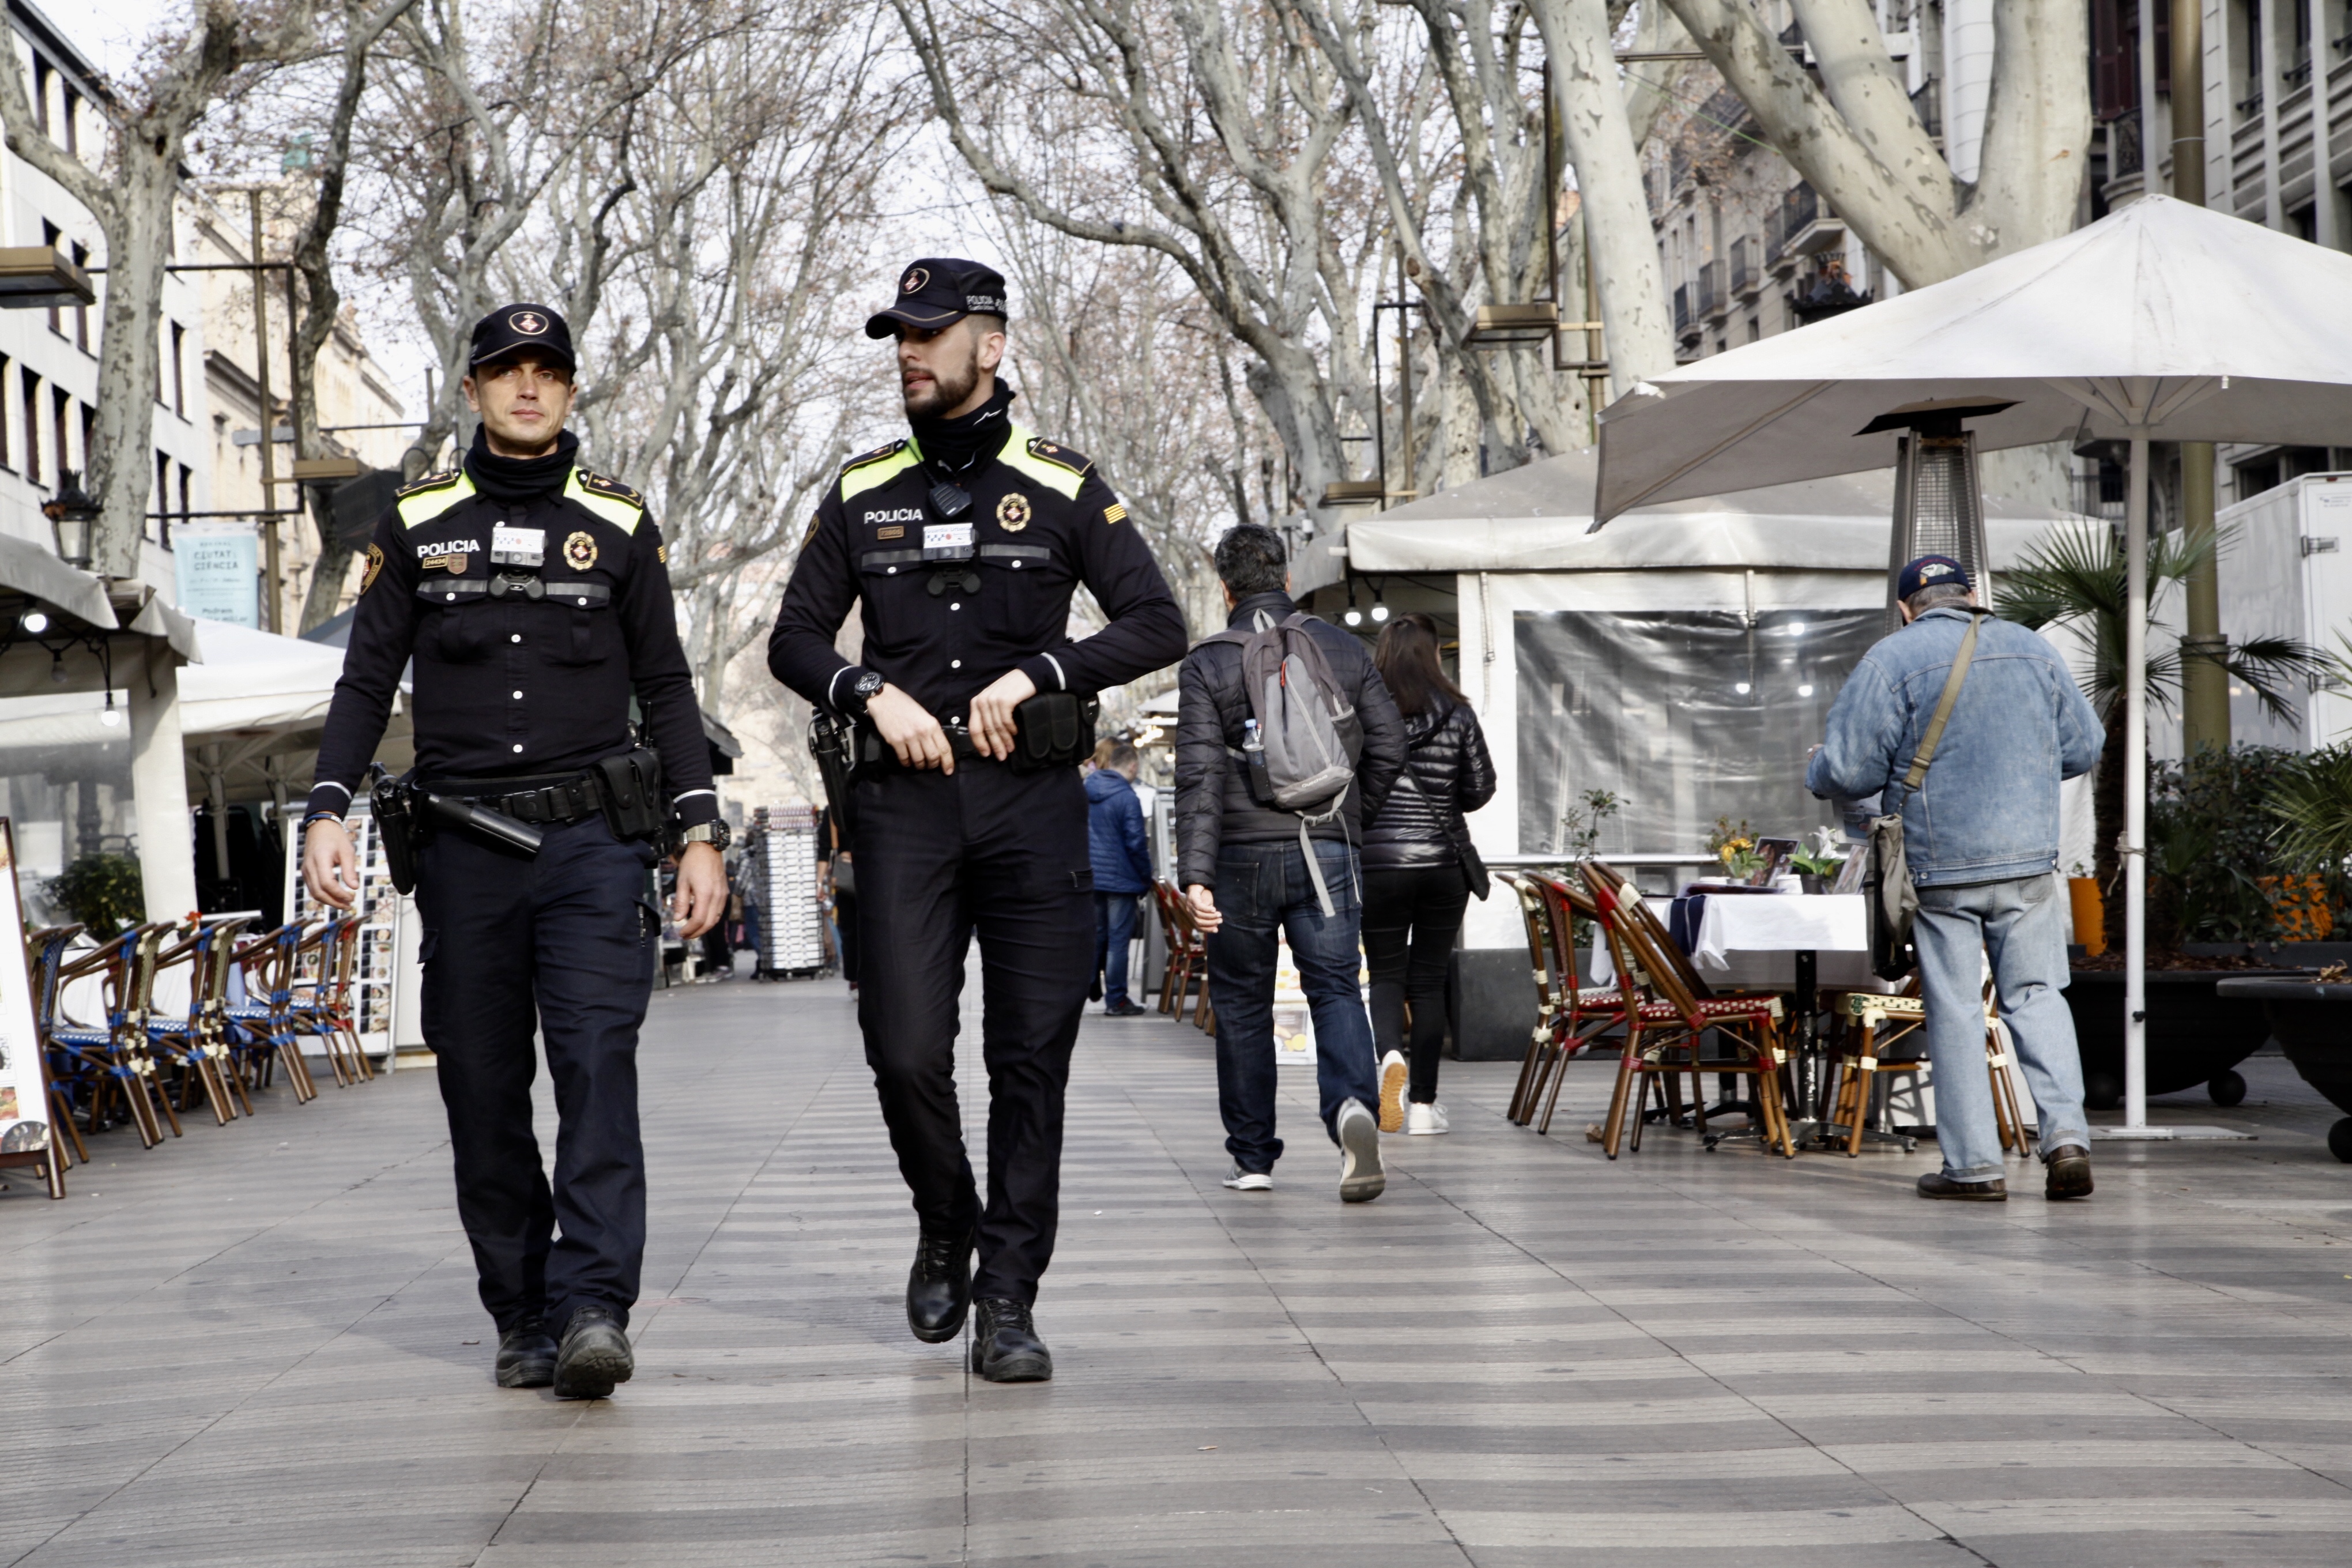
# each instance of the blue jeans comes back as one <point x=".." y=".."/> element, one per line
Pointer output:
<point x="1263" y="887"/>
<point x="2022" y="924"/>
<point x="1114" y="929"/>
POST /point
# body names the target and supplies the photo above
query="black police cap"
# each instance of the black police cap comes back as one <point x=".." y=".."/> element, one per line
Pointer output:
<point x="511" y="330"/>
<point x="939" y="289"/>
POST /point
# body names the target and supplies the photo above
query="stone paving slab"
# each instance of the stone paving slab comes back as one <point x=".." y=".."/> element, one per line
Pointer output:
<point x="259" y="1344"/>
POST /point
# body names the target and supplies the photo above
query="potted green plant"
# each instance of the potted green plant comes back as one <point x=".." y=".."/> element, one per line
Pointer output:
<point x="101" y="890"/>
<point x="1818" y="865"/>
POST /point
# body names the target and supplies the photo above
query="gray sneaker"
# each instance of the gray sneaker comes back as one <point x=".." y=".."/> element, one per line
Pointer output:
<point x="1360" y="1177"/>
<point x="1243" y="1180"/>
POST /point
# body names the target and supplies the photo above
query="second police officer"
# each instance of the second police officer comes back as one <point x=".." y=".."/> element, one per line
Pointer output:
<point x="534" y="598"/>
<point x="961" y="546"/>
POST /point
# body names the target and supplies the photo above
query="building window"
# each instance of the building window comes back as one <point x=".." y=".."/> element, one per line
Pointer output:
<point x="32" y="427"/>
<point x="73" y="118"/>
<point x="62" y="429"/>
<point x="4" y="462"/>
<point x="162" y="516"/>
<point x="187" y="505"/>
<point x="81" y="312"/>
<point x="88" y="435"/>
<point x="50" y="234"/>
<point x="174" y="383"/>
<point x="43" y="74"/>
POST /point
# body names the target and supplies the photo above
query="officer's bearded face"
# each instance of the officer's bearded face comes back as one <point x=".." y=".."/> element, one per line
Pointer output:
<point x="938" y="372"/>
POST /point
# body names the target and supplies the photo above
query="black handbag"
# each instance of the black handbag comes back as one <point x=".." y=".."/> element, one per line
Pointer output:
<point x="1465" y="854"/>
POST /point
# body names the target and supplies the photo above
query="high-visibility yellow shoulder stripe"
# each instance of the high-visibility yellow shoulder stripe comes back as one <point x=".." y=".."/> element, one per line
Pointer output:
<point x="431" y="495"/>
<point x="616" y="503"/>
<point x="878" y="466"/>
<point x="1058" y="469"/>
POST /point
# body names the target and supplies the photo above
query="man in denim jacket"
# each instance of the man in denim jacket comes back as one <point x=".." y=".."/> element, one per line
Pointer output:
<point x="1981" y="836"/>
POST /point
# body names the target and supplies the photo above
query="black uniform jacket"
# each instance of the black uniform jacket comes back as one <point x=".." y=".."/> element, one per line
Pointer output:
<point x="512" y="686"/>
<point x="1213" y="803"/>
<point x="1042" y="522"/>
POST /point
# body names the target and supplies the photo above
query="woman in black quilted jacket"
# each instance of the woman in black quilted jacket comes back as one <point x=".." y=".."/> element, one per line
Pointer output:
<point x="1415" y="885"/>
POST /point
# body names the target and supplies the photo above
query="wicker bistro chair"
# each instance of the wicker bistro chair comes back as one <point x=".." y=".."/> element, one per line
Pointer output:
<point x="320" y="1002"/>
<point x="261" y="1033"/>
<point x="45" y="951"/>
<point x="187" y="1042"/>
<point x="1188" y="954"/>
<point x="1664" y="1035"/>
<point x="1888" y="1034"/>
<point x="1568" y="1020"/>
<point x="110" y="1063"/>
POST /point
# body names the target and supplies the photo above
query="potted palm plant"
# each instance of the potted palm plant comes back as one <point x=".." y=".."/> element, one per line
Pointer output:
<point x="2208" y="846"/>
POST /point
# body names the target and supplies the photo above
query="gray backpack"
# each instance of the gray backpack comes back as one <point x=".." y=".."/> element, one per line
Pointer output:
<point x="1303" y="721"/>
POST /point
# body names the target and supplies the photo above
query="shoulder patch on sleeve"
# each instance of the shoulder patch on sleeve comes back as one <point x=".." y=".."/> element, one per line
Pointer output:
<point x="375" y="565"/>
<point x="600" y="485"/>
<point x="1115" y="513"/>
<point x="875" y="467"/>
<point x="609" y="501"/>
<point x="431" y="495"/>
<point x="1048" y="463"/>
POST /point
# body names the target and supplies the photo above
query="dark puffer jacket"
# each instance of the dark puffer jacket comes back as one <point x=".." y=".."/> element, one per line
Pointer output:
<point x="1213" y="807"/>
<point x="1445" y="753"/>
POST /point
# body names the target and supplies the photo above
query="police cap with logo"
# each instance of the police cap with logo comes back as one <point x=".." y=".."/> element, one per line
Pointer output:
<point x="937" y="291"/>
<point x="521" y="327"/>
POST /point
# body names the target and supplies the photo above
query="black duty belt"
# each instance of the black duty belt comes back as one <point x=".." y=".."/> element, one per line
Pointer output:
<point x="557" y="799"/>
<point x="583" y="595"/>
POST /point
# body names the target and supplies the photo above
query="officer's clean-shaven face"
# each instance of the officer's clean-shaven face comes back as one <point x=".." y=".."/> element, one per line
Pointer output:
<point x="523" y="403"/>
<point x="950" y="372"/>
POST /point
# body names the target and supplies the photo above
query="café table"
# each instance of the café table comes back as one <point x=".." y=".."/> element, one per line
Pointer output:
<point x="1773" y="942"/>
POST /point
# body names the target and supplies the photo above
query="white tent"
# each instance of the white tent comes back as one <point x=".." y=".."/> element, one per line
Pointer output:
<point x="1594" y="659"/>
<point x="2162" y="320"/>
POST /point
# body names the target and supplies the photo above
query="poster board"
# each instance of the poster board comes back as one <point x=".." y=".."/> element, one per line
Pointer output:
<point x="384" y="969"/>
<point x="25" y="1136"/>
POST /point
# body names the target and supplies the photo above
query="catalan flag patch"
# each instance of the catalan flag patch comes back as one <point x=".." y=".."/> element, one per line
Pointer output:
<point x="661" y="553"/>
<point x="1115" y="511"/>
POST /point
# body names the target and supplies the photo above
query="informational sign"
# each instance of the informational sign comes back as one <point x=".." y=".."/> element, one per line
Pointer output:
<point x="24" y="1099"/>
<point x="217" y="574"/>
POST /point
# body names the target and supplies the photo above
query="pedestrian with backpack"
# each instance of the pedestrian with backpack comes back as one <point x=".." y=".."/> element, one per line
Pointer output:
<point x="1421" y="869"/>
<point x="1287" y="740"/>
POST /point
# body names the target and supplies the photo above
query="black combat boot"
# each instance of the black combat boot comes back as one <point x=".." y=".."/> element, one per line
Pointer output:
<point x="595" y="1356"/>
<point x="526" y="1355"/>
<point x="939" y="1287"/>
<point x="1005" y="1347"/>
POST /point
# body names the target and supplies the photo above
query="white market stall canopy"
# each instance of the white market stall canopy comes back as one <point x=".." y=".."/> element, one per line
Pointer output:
<point x="1537" y="518"/>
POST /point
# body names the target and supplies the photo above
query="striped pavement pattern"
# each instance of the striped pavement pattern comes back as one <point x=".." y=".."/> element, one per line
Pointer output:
<point x="260" y="1345"/>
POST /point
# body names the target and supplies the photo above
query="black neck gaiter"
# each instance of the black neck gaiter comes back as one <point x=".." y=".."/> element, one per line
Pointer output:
<point x="519" y="480"/>
<point x="953" y="447"/>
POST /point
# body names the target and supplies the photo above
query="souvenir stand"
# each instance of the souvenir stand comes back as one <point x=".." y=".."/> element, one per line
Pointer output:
<point x="792" y="914"/>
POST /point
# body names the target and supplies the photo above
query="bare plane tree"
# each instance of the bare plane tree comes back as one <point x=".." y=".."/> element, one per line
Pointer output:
<point x="219" y="51"/>
<point x="1855" y="138"/>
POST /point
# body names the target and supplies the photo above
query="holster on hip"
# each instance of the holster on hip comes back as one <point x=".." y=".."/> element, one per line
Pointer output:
<point x="1054" y="729"/>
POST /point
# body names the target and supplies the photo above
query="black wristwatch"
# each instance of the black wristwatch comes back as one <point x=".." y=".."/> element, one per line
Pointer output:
<point x="715" y="833"/>
<point x="864" y="687"/>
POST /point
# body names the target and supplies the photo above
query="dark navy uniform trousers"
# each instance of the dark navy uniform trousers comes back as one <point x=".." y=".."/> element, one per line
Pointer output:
<point x="939" y="858"/>
<point x="562" y="944"/>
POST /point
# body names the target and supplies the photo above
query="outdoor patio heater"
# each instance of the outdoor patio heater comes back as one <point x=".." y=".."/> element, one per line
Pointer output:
<point x="1939" y="501"/>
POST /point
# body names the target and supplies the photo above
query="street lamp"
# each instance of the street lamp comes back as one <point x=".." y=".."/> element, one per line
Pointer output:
<point x="73" y="517"/>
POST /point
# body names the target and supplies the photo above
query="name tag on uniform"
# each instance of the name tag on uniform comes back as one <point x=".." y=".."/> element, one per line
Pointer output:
<point x="946" y="541"/>
<point x="518" y="546"/>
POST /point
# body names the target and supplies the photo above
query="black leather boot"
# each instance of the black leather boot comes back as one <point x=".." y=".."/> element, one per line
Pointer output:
<point x="596" y="1356"/>
<point x="1005" y="1347"/>
<point x="526" y="1355"/>
<point x="939" y="1287"/>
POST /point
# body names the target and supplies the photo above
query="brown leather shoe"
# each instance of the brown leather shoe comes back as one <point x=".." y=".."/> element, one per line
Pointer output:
<point x="2070" y="1172"/>
<point x="1935" y="1184"/>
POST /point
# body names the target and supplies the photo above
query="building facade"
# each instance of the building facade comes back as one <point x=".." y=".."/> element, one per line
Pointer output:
<point x="48" y="355"/>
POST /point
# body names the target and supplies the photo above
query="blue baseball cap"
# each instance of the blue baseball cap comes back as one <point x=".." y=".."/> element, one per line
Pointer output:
<point x="1930" y="571"/>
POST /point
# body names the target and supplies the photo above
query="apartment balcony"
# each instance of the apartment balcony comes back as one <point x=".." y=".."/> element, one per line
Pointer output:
<point x="1711" y="301"/>
<point x="1745" y="278"/>
<point x="1682" y="310"/>
<point x="1927" y="103"/>
<point x="1802" y="227"/>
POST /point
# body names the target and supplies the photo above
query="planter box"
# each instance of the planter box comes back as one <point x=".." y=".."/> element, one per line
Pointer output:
<point x="2194" y="1034"/>
<point x="2314" y="1026"/>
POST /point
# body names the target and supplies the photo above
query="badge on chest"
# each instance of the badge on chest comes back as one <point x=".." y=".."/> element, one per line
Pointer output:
<point x="946" y="541"/>
<point x="518" y="546"/>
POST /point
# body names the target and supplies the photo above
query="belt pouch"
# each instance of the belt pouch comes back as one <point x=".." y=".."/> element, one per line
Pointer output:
<point x="629" y="787"/>
<point x="1053" y="729"/>
<point x="397" y="825"/>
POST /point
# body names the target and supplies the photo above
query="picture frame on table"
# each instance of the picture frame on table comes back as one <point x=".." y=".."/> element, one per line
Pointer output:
<point x="1772" y="860"/>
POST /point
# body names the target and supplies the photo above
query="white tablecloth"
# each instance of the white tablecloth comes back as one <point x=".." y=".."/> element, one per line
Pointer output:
<point x="1750" y="939"/>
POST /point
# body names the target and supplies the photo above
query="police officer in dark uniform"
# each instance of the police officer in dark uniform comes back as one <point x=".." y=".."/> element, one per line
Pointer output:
<point x="534" y="598"/>
<point x="963" y="545"/>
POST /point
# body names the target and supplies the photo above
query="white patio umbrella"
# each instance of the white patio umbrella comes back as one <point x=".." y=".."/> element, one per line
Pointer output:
<point x="2162" y="320"/>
